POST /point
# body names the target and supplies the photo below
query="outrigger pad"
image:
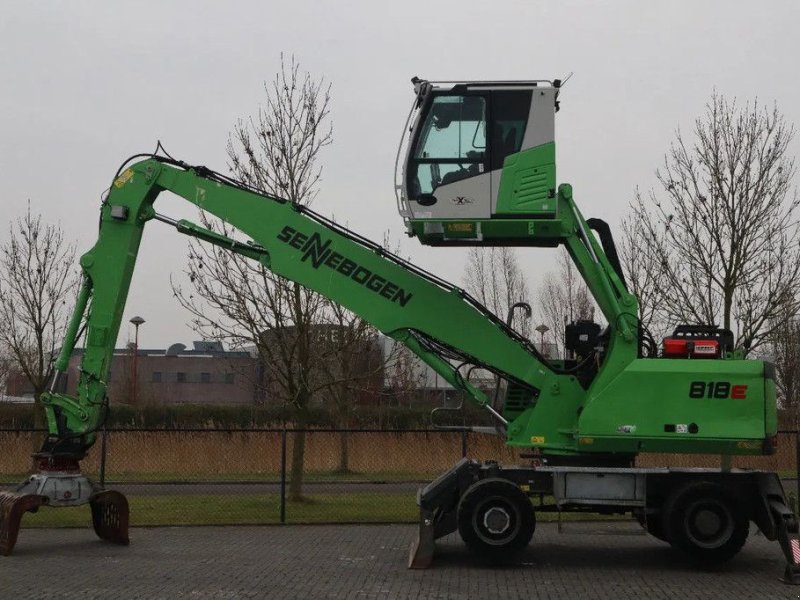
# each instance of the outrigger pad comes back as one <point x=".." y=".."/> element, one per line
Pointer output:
<point x="792" y="573"/>
<point x="12" y="507"/>
<point x="110" y="516"/>
<point x="420" y="555"/>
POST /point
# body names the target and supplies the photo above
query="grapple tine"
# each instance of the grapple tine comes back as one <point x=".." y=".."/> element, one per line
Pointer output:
<point x="110" y="516"/>
<point x="12" y="507"/>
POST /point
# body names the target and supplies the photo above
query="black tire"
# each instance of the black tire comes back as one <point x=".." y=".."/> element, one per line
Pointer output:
<point x="705" y="521"/>
<point x="495" y="520"/>
<point x="653" y="525"/>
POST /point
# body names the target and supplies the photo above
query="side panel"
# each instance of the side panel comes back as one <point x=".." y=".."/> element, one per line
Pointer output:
<point x="541" y="127"/>
<point x="468" y="198"/>
<point x="528" y="184"/>
<point x="659" y="405"/>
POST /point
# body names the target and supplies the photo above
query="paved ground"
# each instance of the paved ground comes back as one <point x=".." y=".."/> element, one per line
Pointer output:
<point x="368" y="561"/>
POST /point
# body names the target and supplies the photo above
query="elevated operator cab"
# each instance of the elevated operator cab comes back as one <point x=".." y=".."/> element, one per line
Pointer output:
<point x="479" y="161"/>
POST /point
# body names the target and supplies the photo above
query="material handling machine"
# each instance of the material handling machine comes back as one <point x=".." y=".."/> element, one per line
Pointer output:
<point x="476" y="167"/>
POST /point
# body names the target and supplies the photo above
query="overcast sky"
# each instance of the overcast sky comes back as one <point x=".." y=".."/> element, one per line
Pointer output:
<point x="86" y="84"/>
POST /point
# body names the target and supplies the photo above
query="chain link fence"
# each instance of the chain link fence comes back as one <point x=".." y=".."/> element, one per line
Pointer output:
<point x="249" y="476"/>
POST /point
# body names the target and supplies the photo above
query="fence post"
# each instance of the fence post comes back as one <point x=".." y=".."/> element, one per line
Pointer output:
<point x="283" y="476"/>
<point x="103" y="450"/>
<point x="463" y="443"/>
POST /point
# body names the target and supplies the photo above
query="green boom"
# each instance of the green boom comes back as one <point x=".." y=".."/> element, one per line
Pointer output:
<point x="632" y="405"/>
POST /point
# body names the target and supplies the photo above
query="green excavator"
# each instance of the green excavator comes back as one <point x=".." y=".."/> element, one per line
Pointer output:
<point x="476" y="167"/>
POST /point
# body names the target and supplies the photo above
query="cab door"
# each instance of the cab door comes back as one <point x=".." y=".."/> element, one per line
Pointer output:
<point x="448" y="169"/>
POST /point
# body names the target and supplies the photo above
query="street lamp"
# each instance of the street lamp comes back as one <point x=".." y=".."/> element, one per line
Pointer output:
<point x="136" y="322"/>
<point x="542" y="329"/>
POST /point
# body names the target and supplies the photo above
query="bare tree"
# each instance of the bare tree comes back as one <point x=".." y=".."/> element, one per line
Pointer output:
<point x="564" y="298"/>
<point x="5" y="369"/>
<point x="722" y="233"/>
<point x="785" y="352"/>
<point x="37" y="286"/>
<point x="276" y="152"/>
<point x="492" y="275"/>
<point x="352" y="368"/>
<point x="405" y="375"/>
<point x="642" y="265"/>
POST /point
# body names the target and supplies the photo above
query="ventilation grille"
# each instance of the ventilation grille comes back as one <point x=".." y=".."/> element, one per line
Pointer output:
<point x="533" y="186"/>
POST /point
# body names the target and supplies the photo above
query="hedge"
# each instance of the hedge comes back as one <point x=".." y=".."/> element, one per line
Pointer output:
<point x="186" y="416"/>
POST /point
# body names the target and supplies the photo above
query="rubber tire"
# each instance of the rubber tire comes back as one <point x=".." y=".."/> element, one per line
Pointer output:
<point x="476" y="501"/>
<point x="679" y="509"/>
<point x="654" y="526"/>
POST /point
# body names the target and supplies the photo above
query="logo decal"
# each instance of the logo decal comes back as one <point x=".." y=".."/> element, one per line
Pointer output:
<point x="462" y="200"/>
<point x="320" y="253"/>
<point x="717" y="389"/>
<point x="123" y="179"/>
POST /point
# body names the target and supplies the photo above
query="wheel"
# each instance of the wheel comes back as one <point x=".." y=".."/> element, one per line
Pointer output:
<point x="653" y="525"/>
<point x="495" y="520"/>
<point x="706" y="522"/>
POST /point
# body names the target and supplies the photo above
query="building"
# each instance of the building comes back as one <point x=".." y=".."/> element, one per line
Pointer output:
<point x="378" y="369"/>
<point x="204" y="374"/>
<point x="17" y="385"/>
<point x="209" y="374"/>
<point x="336" y="355"/>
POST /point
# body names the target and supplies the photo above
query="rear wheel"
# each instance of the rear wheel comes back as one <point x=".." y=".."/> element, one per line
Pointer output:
<point x="495" y="520"/>
<point x="706" y="522"/>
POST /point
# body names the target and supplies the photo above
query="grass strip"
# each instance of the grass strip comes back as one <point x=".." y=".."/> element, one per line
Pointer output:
<point x="262" y="509"/>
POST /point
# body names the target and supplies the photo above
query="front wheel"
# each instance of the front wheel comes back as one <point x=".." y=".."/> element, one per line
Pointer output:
<point x="653" y="525"/>
<point x="706" y="522"/>
<point x="496" y="520"/>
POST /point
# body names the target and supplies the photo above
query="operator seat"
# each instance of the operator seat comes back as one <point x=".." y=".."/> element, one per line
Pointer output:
<point x="463" y="173"/>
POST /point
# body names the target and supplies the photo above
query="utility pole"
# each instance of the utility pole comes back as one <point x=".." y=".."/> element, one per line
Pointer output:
<point x="136" y="322"/>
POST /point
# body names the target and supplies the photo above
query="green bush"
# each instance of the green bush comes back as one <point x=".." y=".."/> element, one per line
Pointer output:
<point x="17" y="416"/>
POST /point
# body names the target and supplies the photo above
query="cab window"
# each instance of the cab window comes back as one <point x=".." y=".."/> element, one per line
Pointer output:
<point x="455" y="128"/>
<point x="510" y="109"/>
<point x="451" y="145"/>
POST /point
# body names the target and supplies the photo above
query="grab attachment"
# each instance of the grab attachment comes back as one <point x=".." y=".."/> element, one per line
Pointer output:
<point x="59" y="483"/>
<point x="12" y="508"/>
<point x="110" y="515"/>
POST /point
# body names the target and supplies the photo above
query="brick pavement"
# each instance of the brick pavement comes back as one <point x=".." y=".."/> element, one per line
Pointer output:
<point x="368" y="561"/>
